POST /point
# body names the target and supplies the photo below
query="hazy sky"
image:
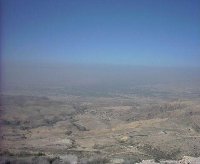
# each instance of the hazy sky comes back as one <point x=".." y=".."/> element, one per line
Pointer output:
<point x="134" y="32"/>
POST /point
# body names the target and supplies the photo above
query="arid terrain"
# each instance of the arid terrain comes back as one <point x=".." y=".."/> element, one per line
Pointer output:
<point x="148" y="123"/>
<point x="99" y="81"/>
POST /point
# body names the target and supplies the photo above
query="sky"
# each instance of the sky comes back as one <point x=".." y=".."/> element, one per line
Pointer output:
<point x="127" y="32"/>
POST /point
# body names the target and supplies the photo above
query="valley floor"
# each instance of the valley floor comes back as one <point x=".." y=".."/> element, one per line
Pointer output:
<point x="121" y="128"/>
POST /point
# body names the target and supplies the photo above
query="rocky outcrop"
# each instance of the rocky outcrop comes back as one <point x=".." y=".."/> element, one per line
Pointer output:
<point x="185" y="160"/>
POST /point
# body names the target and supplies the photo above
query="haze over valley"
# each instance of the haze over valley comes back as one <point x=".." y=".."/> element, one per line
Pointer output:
<point x="100" y="82"/>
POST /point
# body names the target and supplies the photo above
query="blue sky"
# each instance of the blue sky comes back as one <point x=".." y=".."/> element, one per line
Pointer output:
<point x="130" y="32"/>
